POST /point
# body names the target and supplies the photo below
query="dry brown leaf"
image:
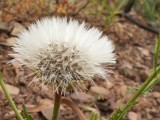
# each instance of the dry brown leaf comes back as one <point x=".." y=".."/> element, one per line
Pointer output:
<point x="132" y="116"/>
<point x="108" y="84"/>
<point x="5" y="27"/>
<point x="11" y="89"/>
<point x="82" y="97"/>
<point x="155" y="94"/>
<point x="17" y="28"/>
<point x="143" y="51"/>
<point x="44" y="104"/>
<point x="47" y="113"/>
<point x="99" y="90"/>
<point x="91" y="109"/>
<point x="18" y="71"/>
<point x="9" y="42"/>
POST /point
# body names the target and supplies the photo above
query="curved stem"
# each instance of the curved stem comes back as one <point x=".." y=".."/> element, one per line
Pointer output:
<point x="8" y="96"/>
<point x="57" y="103"/>
<point x="74" y="107"/>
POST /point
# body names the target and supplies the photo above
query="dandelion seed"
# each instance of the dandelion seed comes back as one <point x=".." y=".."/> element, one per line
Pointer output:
<point x="64" y="53"/>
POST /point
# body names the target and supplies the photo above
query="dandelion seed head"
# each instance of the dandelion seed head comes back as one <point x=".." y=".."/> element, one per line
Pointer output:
<point x="64" y="53"/>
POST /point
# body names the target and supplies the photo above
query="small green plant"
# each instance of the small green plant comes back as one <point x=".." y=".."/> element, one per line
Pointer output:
<point x="148" y="84"/>
<point x="113" y="8"/>
<point x="26" y="115"/>
<point x="149" y="9"/>
<point x="108" y="10"/>
<point x="94" y="116"/>
<point x="9" y="98"/>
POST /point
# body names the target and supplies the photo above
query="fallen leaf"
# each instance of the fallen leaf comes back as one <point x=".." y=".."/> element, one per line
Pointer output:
<point x="127" y="70"/>
<point x="44" y="104"/>
<point x="91" y="109"/>
<point x="18" y="70"/>
<point x="9" y="42"/>
<point x="108" y="84"/>
<point x="99" y="90"/>
<point x="5" y="27"/>
<point x="47" y="113"/>
<point x="132" y="116"/>
<point x="17" y="27"/>
<point x="155" y="94"/>
<point x="11" y="89"/>
<point x="82" y="97"/>
<point x="143" y="51"/>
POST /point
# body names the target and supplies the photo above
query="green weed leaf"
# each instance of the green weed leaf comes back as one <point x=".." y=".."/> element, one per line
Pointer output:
<point x="94" y="116"/>
<point x="119" y="113"/>
<point x="27" y="116"/>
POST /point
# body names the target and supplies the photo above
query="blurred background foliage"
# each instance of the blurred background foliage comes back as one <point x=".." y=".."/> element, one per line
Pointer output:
<point x="150" y="10"/>
<point x="108" y="10"/>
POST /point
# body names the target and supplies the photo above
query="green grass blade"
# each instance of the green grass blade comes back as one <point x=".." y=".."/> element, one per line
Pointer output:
<point x="156" y="53"/>
<point x="94" y="116"/>
<point x="26" y="115"/>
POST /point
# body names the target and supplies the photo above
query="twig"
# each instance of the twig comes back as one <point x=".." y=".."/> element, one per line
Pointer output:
<point x="71" y="104"/>
<point x="136" y="22"/>
<point x="127" y="9"/>
<point x="129" y="6"/>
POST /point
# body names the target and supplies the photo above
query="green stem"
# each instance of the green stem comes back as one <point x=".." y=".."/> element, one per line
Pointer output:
<point x="57" y="103"/>
<point x="153" y="82"/>
<point x="139" y="92"/>
<point x="8" y="96"/>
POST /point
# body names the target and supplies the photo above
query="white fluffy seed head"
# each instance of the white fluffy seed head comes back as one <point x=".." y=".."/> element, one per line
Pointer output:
<point x="64" y="53"/>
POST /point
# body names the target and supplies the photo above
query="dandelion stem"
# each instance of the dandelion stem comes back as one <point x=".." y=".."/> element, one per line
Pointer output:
<point x="8" y="96"/>
<point x="56" y="108"/>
